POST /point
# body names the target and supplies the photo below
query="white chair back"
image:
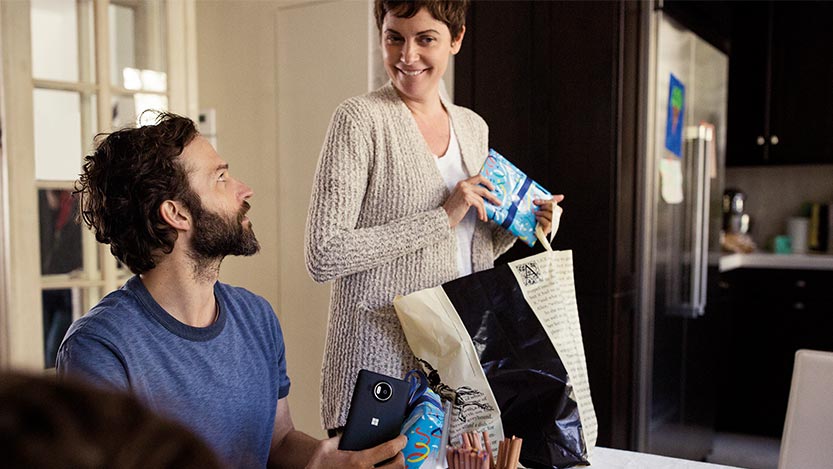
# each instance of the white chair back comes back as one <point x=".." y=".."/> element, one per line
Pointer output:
<point x="807" y="442"/>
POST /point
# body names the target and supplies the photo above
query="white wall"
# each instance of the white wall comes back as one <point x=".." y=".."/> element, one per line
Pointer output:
<point x="275" y="71"/>
<point x="322" y="60"/>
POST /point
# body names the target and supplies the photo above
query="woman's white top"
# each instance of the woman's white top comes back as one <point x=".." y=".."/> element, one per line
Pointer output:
<point x="453" y="170"/>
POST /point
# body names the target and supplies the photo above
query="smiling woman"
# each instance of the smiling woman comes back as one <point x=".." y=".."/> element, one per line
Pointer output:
<point x="397" y="205"/>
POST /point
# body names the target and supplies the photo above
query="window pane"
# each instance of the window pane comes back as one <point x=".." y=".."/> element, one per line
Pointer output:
<point x="128" y="110"/>
<point x="124" y="112"/>
<point x="122" y="43"/>
<point x="54" y="40"/>
<point x="58" y="147"/>
<point x="137" y="53"/>
<point x="60" y="235"/>
<point x="59" y="308"/>
<point x="86" y="40"/>
<point x="149" y="102"/>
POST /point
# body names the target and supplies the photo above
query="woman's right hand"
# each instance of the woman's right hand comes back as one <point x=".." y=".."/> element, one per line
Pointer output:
<point x="466" y="194"/>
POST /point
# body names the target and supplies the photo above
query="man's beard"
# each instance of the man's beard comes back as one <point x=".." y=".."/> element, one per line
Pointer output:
<point x="216" y="236"/>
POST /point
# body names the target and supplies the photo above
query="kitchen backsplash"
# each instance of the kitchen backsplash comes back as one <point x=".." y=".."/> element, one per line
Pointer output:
<point x="775" y="193"/>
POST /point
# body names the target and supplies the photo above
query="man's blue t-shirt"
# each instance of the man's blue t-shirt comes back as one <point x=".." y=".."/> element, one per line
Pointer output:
<point x="222" y="381"/>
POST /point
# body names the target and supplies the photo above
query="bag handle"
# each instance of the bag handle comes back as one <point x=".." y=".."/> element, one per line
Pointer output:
<point x="539" y="232"/>
<point x="418" y="383"/>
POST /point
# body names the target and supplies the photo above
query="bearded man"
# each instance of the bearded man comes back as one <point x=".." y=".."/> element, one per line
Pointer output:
<point x="207" y="354"/>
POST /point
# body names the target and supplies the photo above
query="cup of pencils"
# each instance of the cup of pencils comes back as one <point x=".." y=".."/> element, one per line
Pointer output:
<point x="474" y="453"/>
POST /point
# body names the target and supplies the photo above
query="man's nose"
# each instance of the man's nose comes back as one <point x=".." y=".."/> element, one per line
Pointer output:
<point x="245" y="191"/>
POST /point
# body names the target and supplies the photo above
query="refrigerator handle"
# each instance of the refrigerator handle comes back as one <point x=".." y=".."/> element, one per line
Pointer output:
<point x="700" y="236"/>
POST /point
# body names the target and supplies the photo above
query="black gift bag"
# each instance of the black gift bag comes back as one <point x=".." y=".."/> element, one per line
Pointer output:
<point x="520" y="323"/>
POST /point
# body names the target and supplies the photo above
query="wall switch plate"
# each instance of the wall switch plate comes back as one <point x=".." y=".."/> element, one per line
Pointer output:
<point x="208" y="122"/>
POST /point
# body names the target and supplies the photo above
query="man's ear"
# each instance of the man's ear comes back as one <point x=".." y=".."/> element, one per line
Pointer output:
<point x="175" y="214"/>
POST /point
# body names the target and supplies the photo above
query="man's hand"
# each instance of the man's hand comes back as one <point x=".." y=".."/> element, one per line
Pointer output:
<point x="327" y="455"/>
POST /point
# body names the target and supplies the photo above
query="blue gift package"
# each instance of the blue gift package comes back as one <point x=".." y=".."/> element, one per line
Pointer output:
<point x="424" y="424"/>
<point x="516" y="191"/>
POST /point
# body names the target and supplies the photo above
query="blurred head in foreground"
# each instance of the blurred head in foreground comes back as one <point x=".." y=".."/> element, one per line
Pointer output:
<point x="47" y="423"/>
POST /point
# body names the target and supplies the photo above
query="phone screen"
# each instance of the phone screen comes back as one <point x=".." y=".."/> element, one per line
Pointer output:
<point x="377" y="411"/>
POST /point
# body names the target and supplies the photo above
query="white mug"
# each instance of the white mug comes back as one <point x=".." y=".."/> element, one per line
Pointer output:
<point x="797" y="228"/>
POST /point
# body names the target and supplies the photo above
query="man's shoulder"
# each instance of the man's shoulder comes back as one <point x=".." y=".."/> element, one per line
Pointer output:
<point x="239" y="292"/>
<point x="115" y="312"/>
<point x="242" y="298"/>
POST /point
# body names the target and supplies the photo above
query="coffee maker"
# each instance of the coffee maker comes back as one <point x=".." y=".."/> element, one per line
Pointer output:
<point x="735" y="234"/>
<point x="735" y="221"/>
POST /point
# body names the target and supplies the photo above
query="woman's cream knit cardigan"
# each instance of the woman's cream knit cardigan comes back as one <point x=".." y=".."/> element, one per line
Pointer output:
<point x="376" y="227"/>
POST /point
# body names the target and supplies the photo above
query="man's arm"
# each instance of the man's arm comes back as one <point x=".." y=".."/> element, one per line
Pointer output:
<point x="294" y="449"/>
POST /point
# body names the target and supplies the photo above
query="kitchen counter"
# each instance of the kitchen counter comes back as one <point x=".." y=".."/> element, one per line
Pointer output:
<point x="764" y="260"/>
<point x="608" y="458"/>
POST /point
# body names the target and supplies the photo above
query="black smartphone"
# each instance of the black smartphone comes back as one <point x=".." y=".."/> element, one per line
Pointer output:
<point x="377" y="411"/>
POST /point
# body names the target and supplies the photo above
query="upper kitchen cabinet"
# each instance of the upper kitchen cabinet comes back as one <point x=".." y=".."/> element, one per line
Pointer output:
<point x="781" y="67"/>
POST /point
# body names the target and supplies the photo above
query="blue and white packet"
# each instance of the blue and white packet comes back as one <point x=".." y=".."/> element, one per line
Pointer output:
<point x="516" y="191"/>
<point x="424" y="424"/>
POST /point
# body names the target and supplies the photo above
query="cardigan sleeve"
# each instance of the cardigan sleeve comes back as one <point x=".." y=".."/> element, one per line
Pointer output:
<point x="334" y="245"/>
<point x="502" y="240"/>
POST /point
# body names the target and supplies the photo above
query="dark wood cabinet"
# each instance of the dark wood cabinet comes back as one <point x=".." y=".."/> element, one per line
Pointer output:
<point x="781" y="67"/>
<point x="556" y="82"/>
<point x="773" y="313"/>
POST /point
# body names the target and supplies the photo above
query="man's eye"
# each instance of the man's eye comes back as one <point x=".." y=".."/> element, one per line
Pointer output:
<point x="222" y="177"/>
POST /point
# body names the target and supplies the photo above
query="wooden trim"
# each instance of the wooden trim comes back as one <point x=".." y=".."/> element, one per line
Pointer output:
<point x="23" y="326"/>
<point x="192" y="83"/>
<point x="4" y="233"/>
<point x="118" y="90"/>
<point x="182" y="58"/>
<point x="102" y="70"/>
<point x="56" y="282"/>
<point x="64" y="86"/>
<point x="50" y="184"/>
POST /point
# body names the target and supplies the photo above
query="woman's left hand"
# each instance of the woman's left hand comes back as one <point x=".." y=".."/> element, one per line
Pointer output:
<point x="547" y="211"/>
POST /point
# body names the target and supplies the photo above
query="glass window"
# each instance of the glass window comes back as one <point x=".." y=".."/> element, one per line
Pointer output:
<point x="58" y="148"/>
<point x="122" y="49"/>
<point x="137" y="55"/>
<point x="54" y="25"/>
<point x="60" y="306"/>
<point x="60" y="234"/>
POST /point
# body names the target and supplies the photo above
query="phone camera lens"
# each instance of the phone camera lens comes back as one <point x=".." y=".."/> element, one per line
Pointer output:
<point x="382" y="391"/>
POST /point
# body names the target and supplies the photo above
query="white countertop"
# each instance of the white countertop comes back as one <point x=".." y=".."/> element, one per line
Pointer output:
<point x="607" y="458"/>
<point x="765" y="260"/>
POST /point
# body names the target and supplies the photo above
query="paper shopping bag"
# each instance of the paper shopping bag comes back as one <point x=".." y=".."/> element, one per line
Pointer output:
<point x="517" y="326"/>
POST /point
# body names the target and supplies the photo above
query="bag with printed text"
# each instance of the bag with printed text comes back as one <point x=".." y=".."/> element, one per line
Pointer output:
<point x="505" y="346"/>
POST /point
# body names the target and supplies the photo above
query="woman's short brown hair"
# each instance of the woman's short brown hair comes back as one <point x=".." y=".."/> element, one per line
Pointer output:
<point x="450" y="12"/>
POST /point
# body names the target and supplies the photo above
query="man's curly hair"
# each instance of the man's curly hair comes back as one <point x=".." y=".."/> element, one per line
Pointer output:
<point x="125" y="181"/>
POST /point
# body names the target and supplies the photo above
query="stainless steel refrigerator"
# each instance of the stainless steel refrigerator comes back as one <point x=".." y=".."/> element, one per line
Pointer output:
<point x="684" y="143"/>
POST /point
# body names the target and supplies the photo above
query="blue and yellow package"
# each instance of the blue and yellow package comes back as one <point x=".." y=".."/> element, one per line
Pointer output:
<point x="424" y="423"/>
<point x="516" y="191"/>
